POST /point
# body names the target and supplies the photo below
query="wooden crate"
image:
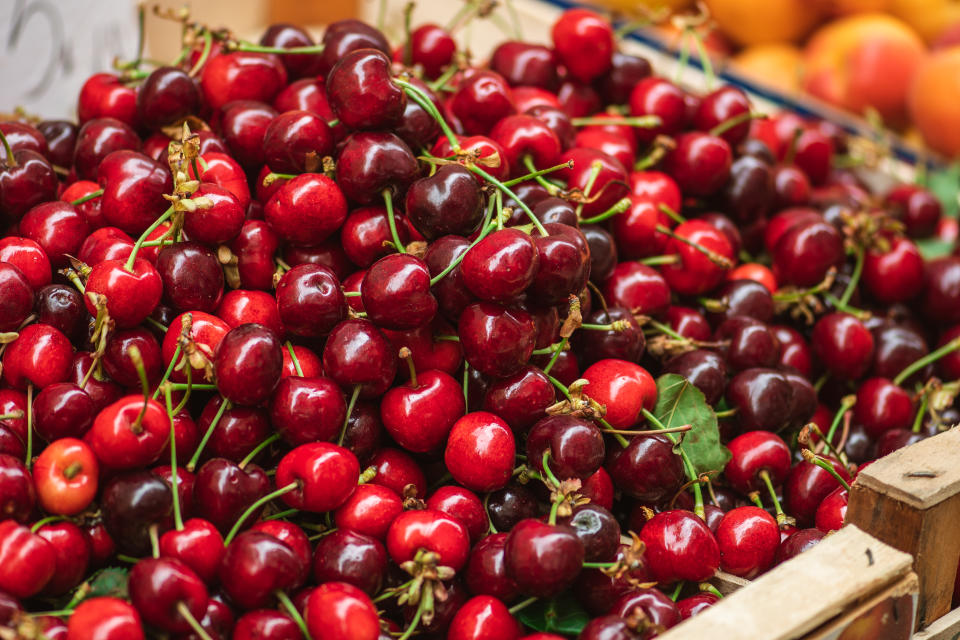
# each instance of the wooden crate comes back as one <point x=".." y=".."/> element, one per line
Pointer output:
<point x="849" y="586"/>
<point x="910" y="500"/>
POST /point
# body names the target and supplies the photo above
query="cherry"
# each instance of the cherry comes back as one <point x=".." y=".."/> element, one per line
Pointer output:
<point x="941" y="290"/>
<point x="105" y="95"/>
<point x="17" y="296"/>
<point x="486" y="573"/>
<point x="803" y="254"/>
<point x="265" y="623"/>
<point x="480" y="451"/>
<point x="358" y="354"/>
<point x="247" y="364"/>
<point x="167" y="593"/>
<point x="832" y="510"/>
<point x="192" y="276"/>
<point x="749" y="343"/>
<point x="372" y="162"/>
<point x="167" y="95"/>
<point x="647" y="469"/>
<point x="798" y="542"/>
<point x="575" y="446"/>
<point x="344" y="36"/>
<point x="26" y="180"/>
<point x="307" y="409"/>
<point x="917" y="208"/>
<point x="431" y="47"/>
<point x="340" y="611"/>
<point x="432" y="530"/>
<point x="310" y="301"/>
<point x="597" y="530"/>
<point x="542" y="559"/>
<point x="29" y="257"/>
<point x="882" y="406"/>
<point x="448" y="202"/>
<point x="40" y="356"/>
<point x="240" y="75"/>
<point x="704" y="369"/>
<point x="481" y="101"/>
<point x="65" y="475"/>
<point x="255" y="565"/>
<point x="748" y="538"/>
<point x="624" y="388"/>
<point x="96" y="140"/>
<point x="58" y="228"/>
<point x="895" y="275"/>
<point x="351" y="557"/>
<point x="483" y="616"/>
<point x="753" y="454"/>
<point x="679" y="546"/>
<point x="223" y="491"/>
<point x="325" y="476"/>
<point x="243" y="125"/>
<point x="361" y="93"/>
<point x="396" y="470"/>
<point x="219" y="223"/>
<point x="420" y="415"/>
<point x="288" y="36"/>
<point x="198" y="545"/>
<point x="584" y="43"/>
<point x="223" y="171"/>
<point x="130" y="294"/>
<point x="843" y="344"/>
<point x="501" y="266"/>
<point x="496" y="341"/>
<point x="396" y="293"/>
<point x="807" y="486"/>
<point x="19" y="495"/>
<point x="651" y="605"/>
<point x="700" y="163"/>
<point x="105" y="618"/>
<point x="698" y="603"/>
<point x="521" y="399"/>
<point x="369" y="511"/>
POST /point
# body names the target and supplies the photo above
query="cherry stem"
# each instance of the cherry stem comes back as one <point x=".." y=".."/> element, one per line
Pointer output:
<point x="388" y="201"/>
<point x="537" y="173"/>
<point x="407" y="355"/>
<point x="44" y="521"/>
<point x="178" y="386"/>
<point x="705" y="61"/>
<point x="447" y="338"/>
<point x="792" y="149"/>
<point x="346" y="421"/>
<point x="184" y="611"/>
<point x="87" y="198"/>
<point x="253" y="508"/>
<point x="13" y="415"/>
<point x="709" y="588"/>
<point x="546" y="468"/>
<point x="11" y="161"/>
<point x="781" y="516"/>
<point x="918" y="421"/>
<point x="154" y="541"/>
<point x="642" y="122"/>
<point x="441" y="81"/>
<point x="676" y="592"/>
<point x="688" y="466"/>
<point x="552" y="519"/>
<point x="666" y="329"/>
<point x="556" y="354"/>
<point x="729" y="413"/>
<point x="845" y="405"/>
<point x="189" y="390"/>
<point x="523" y="604"/>
<point x="204" y="54"/>
<point x="650" y="432"/>
<point x="930" y="358"/>
<point x="551" y="349"/>
<point x="453" y="265"/>
<point x="257" y="449"/>
<point x="654" y="261"/>
<point x="813" y="458"/>
<point x="58" y="613"/>
<point x="426" y="604"/>
<point x="368" y="474"/>
<point x="351" y="294"/>
<point x="143" y="237"/>
<point x="595" y="169"/>
<point x="258" y="48"/>
<point x="134" y="352"/>
<point x="755" y="499"/>
<point x="499" y="185"/>
<point x="619" y="207"/>
<point x="734" y="121"/>
<point x="166" y="374"/>
<point x="714" y="257"/>
<point x="282" y="514"/>
<point x="551" y="188"/>
<point x="466" y="382"/>
<point x="854" y="278"/>
<point x="670" y="213"/>
<point x="598" y="565"/>
<point x="294" y="359"/>
<point x="174" y="478"/>
<point x="224" y="405"/>
<point x="613" y="326"/>
<point x="293" y="612"/>
<point x="422" y="99"/>
<point x="29" y="460"/>
<point x="486" y="512"/>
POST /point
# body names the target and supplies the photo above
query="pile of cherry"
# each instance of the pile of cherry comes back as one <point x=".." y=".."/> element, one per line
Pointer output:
<point x="343" y="341"/>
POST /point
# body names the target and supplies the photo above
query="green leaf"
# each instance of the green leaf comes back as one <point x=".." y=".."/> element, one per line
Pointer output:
<point x="111" y="581"/>
<point x="562" y="615"/>
<point x="679" y="402"/>
<point x="933" y="247"/>
<point x="945" y="184"/>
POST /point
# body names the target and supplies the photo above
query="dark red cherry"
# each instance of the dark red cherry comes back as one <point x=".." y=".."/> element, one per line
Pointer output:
<point x="167" y="95"/>
<point x="917" y="208"/>
<point x="481" y="101"/>
<point x="520" y="399"/>
<point x="542" y="559"/>
<point x="371" y="162"/>
<point x="763" y="399"/>
<point x="19" y="495"/>
<point x="62" y="410"/>
<point x="243" y="125"/>
<point x="396" y="470"/>
<point x="843" y="344"/>
<point x="247" y="364"/>
<point x="192" y="276"/>
<point x="501" y="266"/>
<point x="448" y="202"/>
<point x="357" y="353"/>
<point x="222" y="491"/>
<point x="160" y="587"/>
<point x="344" y="36"/>
<point x="807" y="486"/>
<point x="719" y="106"/>
<point x="798" y="542"/>
<point x="296" y="141"/>
<point x="133" y="502"/>
<point x="396" y="293"/>
<point x="597" y="529"/>
<point x="288" y="36"/>
<point x="354" y="558"/>
<point x="361" y="92"/>
<point x="58" y="228"/>
<point x="307" y="409"/>
<point x="97" y="139"/>
<point x="700" y="163"/>
<point x="496" y="341"/>
<point x="637" y="287"/>
<point x="255" y="565"/>
<point x="310" y="300"/>
<point x="17" y="296"/>
<point x="647" y="469"/>
<point x="650" y="605"/>
<point x="575" y="446"/>
<point x="704" y="369"/>
<point x="941" y="298"/>
<point x="805" y="252"/>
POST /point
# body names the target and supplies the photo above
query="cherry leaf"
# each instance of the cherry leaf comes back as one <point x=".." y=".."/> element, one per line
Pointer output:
<point x="679" y="402"/>
<point x="562" y="615"/>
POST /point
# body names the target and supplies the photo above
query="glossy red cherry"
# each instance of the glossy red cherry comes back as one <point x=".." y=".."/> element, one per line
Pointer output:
<point x="105" y="95"/>
<point x="431" y="530"/>
<point x="340" y="611"/>
<point x="753" y="453"/>
<point x="647" y="469"/>
<point x="583" y="41"/>
<point x="624" y="388"/>
<point x="357" y="353"/>
<point x="219" y="223"/>
<point x="843" y="344"/>
<point x="247" y="364"/>
<point x="161" y="588"/>
<point x="481" y="101"/>
<point x="105" y="618"/>
<point x="26" y="180"/>
<point x="223" y="491"/>
<point x="679" y="546"/>
<point x="882" y="406"/>
<point x="167" y="95"/>
<point x="58" y="228"/>
<point x="307" y="409"/>
<point x="129" y="295"/>
<point x="241" y="75"/>
<point x="27" y="561"/>
<point x="575" y="446"/>
<point x="19" y="495"/>
<point x="255" y="565"/>
<point x="806" y="487"/>
<point x="40" y="356"/>
<point x="65" y="475"/>
<point x="369" y="511"/>
<point x="448" y="202"/>
<point x="198" y="545"/>
<point x="133" y="187"/>
<point x="307" y="209"/>
<point x="361" y="92"/>
<point x="542" y="559"/>
<point x="496" y="341"/>
<point x="480" y="451"/>
<point x="748" y="538"/>
<point x="17" y="296"/>
<point x="484" y="617"/>
<point x="832" y="511"/>
<point x="895" y="275"/>
<point x="658" y="97"/>
<point x="371" y="162"/>
<point x="419" y="415"/>
<point x="700" y="163"/>
<point x="348" y="556"/>
<point x="396" y="293"/>
<point x="326" y="475"/>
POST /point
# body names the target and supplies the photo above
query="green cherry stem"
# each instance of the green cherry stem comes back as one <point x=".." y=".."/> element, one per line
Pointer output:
<point x="388" y="201"/>
<point x="499" y="185"/>
<point x="143" y="237"/>
<point x="184" y="611"/>
<point x="453" y="265"/>
<point x="537" y="173"/>
<point x="781" y="516"/>
<point x="854" y="278"/>
<point x="224" y="405"/>
<point x="174" y="480"/>
<point x="676" y="592"/>
<point x="257" y="449"/>
<point x="204" y="54"/>
<point x="688" y="466"/>
<point x="709" y="588"/>
<point x="29" y="461"/>
<point x="845" y="405"/>
<point x="466" y="382"/>
<point x="294" y="359"/>
<point x="346" y="421"/>
<point x="87" y="198"/>
<point x="813" y="458"/>
<point x="258" y="48"/>
<point x="523" y="604"/>
<point x="253" y="508"/>
<point x="556" y="354"/>
<point x="595" y="169"/>
<point x="619" y="207"/>
<point x="918" y="420"/>
<point x="44" y="521"/>
<point x="427" y="105"/>
<point x="930" y="358"/>
<point x="166" y="374"/>
<point x="293" y="612"/>
<point x="551" y="188"/>
<point x="641" y="122"/>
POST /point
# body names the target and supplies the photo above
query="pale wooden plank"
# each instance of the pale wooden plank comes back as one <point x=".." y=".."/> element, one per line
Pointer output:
<point x="802" y="594"/>
<point x="944" y="628"/>
<point x="921" y="475"/>
<point x="727" y="583"/>
<point x="892" y="610"/>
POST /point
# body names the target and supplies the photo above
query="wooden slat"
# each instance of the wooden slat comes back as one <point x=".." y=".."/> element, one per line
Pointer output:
<point x="802" y="594"/>
<point x="944" y="628"/>
<point x="727" y="583"/>
<point x="911" y="500"/>
<point x="888" y="615"/>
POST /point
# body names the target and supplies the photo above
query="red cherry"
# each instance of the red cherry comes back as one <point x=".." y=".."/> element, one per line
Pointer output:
<point x="483" y="617"/>
<point x="752" y="453"/>
<point x="748" y="538"/>
<point x="27" y="561"/>
<point x="431" y="530"/>
<point x="340" y="611"/>
<point x="584" y="43"/>
<point x="623" y="387"/>
<point x="326" y="476"/>
<point x="695" y="273"/>
<point x="832" y="511"/>
<point x="65" y="475"/>
<point x="307" y="209"/>
<point x="130" y="295"/>
<point x="240" y="75"/>
<point x="480" y="452"/>
<point x="123" y="439"/>
<point x="542" y="559"/>
<point x="40" y="356"/>
<point x="161" y="588"/>
<point x="105" y="95"/>
<point x="420" y="415"/>
<point x="679" y="546"/>
<point x="370" y="511"/>
<point x="198" y="545"/>
<point x="105" y="618"/>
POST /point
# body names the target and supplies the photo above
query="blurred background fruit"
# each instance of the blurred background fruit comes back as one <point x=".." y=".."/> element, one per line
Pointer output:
<point x="777" y="64"/>
<point x="934" y="99"/>
<point x="749" y="22"/>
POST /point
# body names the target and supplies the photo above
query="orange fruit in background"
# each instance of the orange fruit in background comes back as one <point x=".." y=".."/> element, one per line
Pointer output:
<point x="631" y="7"/>
<point x="864" y="60"/>
<point x="846" y="7"/>
<point x="935" y="101"/>
<point x="779" y="65"/>
<point x="749" y="22"/>
<point x="929" y="18"/>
